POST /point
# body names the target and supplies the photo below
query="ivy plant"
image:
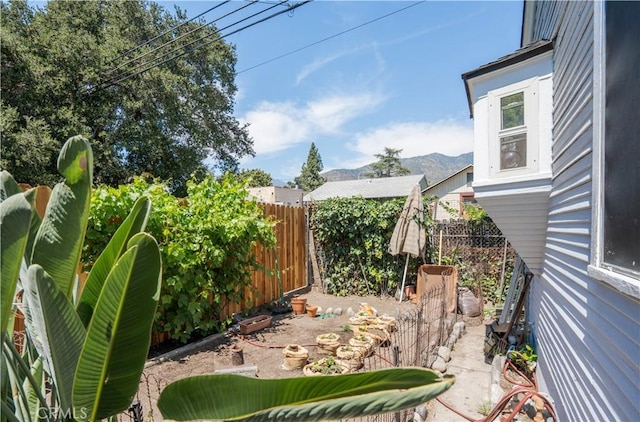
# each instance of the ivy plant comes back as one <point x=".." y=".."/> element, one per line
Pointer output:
<point x="354" y="234"/>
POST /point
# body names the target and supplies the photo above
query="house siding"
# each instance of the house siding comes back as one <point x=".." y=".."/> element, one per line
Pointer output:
<point x="448" y="193"/>
<point x="586" y="333"/>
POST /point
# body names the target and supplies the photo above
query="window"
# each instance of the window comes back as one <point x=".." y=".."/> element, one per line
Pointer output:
<point x="469" y="178"/>
<point x="616" y="218"/>
<point x="513" y="129"/>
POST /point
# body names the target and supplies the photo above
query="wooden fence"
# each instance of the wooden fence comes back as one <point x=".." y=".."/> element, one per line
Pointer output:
<point x="291" y="260"/>
<point x="290" y="252"/>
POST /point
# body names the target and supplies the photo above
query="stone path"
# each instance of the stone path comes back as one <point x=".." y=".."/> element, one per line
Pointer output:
<point x="471" y="392"/>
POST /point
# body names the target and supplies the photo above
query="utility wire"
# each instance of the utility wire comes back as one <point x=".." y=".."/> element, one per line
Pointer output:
<point x="177" y="49"/>
<point x="330" y="37"/>
<point x="114" y="76"/>
<point x="173" y="40"/>
<point x="287" y="10"/>
<point x="139" y="46"/>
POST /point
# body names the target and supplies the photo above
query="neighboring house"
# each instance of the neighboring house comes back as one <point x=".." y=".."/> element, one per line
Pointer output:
<point x="277" y="195"/>
<point x="453" y="193"/>
<point x="385" y="187"/>
<point x="556" y="166"/>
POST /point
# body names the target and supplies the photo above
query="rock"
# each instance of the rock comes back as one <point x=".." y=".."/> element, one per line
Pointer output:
<point x="422" y="412"/>
<point x="319" y="311"/>
<point x="451" y="341"/>
<point x="444" y="353"/>
<point x="350" y="312"/>
<point x="329" y="310"/>
<point x="459" y="328"/>
<point x="439" y="365"/>
<point x="337" y="311"/>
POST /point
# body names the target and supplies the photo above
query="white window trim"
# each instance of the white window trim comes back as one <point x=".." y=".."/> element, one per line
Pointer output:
<point x="597" y="268"/>
<point x="530" y="87"/>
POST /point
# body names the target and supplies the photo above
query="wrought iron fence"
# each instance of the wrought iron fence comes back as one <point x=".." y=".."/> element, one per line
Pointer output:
<point x="419" y="332"/>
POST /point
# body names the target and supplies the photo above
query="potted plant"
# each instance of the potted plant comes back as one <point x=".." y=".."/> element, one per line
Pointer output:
<point x="325" y="366"/>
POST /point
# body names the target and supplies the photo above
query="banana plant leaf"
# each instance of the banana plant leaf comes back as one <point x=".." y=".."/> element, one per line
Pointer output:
<point x="8" y="185"/>
<point x="58" y="243"/>
<point x="135" y="222"/>
<point x="15" y="219"/>
<point x="238" y="398"/>
<point x="55" y="330"/>
<point x="119" y="333"/>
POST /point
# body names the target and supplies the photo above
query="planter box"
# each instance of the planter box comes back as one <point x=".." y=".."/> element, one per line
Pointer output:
<point x="254" y="324"/>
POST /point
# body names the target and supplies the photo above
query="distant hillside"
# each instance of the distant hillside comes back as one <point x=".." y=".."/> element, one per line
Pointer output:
<point x="435" y="166"/>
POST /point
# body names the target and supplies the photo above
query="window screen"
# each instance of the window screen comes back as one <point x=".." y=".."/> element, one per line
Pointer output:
<point x="622" y="137"/>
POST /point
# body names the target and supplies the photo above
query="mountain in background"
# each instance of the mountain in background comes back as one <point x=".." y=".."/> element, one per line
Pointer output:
<point x="435" y="166"/>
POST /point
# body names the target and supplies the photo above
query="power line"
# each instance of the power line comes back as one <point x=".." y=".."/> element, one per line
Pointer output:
<point x="173" y="40"/>
<point x="330" y="37"/>
<point x="287" y="10"/>
<point x="126" y="53"/>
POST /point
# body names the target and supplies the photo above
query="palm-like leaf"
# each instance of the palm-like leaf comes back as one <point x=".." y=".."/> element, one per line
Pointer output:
<point x="59" y="239"/>
<point x="237" y="398"/>
<point x="15" y="218"/>
<point x="54" y="328"/>
<point x="119" y="333"/>
<point x="8" y="185"/>
<point x="134" y="223"/>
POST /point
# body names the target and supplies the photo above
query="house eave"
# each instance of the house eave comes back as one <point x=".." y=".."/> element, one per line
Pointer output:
<point x="520" y="209"/>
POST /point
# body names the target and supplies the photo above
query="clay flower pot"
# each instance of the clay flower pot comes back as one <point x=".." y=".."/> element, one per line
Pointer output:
<point x="298" y="304"/>
<point x="311" y="310"/>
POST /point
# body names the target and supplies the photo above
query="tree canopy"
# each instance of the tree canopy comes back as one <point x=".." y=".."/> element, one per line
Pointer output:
<point x="83" y="68"/>
<point x="310" y="178"/>
<point x="256" y="178"/>
<point x="388" y="165"/>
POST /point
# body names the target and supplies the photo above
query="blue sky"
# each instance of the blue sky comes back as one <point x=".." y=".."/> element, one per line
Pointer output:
<point x="392" y="83"/>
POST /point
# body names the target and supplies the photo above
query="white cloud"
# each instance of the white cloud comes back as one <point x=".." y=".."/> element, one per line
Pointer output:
<point x="276" y="126"/>
<point x="446" y="137"/>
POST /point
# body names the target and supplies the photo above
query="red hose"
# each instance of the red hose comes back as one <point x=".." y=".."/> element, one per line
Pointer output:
<point x="529" y="389"/>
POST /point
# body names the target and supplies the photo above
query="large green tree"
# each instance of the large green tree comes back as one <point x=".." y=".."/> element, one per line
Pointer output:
<point x="310" y="178"/>
<point x="73" y="68"/>
<point x="256" y="178"/>
<point x="388" y="165"/>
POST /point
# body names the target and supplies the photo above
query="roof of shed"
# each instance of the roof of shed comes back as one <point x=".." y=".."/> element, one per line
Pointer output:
<point x="386" y="187"/>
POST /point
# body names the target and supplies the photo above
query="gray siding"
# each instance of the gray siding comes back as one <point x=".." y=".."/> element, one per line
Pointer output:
<point x="586" y="332"/>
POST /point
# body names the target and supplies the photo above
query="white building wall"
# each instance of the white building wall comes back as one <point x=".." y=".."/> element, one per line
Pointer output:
<point x="448" y="192"/>
<point x="587" y="333"/>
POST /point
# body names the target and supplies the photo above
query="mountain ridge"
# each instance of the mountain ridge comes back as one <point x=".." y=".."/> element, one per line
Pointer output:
<point x="435" y="167"/>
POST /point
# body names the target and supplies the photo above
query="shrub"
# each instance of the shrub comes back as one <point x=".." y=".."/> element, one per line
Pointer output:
<point x="206" y="241"/>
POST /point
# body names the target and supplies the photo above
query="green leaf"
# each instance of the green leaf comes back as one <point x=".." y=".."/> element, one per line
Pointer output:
<point x="8" y="185"/>
<point x="15" y="218"/>
<point x="33" y="392"/>
<point x="55" y="329"/>
<point x="134" y="223"/>
<point x="119" y="333"/>
<point x="216" y="397"/>
<point x="59" y="239"/>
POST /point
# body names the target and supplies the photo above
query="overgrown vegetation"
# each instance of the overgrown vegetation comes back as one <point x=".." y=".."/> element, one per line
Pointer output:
<point x="354" y="234"/>
<point x="205" y="240"/>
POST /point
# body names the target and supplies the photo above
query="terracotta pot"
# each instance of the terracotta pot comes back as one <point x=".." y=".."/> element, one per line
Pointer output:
<point x="311" y="310"/>
<point x="409" y="290"/>
<point x="298" y="305"/>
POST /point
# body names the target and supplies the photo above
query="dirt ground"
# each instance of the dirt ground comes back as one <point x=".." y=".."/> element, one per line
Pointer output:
<point x="262" y="349"/>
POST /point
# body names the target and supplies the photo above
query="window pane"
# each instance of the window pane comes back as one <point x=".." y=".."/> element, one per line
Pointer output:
<point x="513" y="151"/>
<point x="512" y="110"/>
